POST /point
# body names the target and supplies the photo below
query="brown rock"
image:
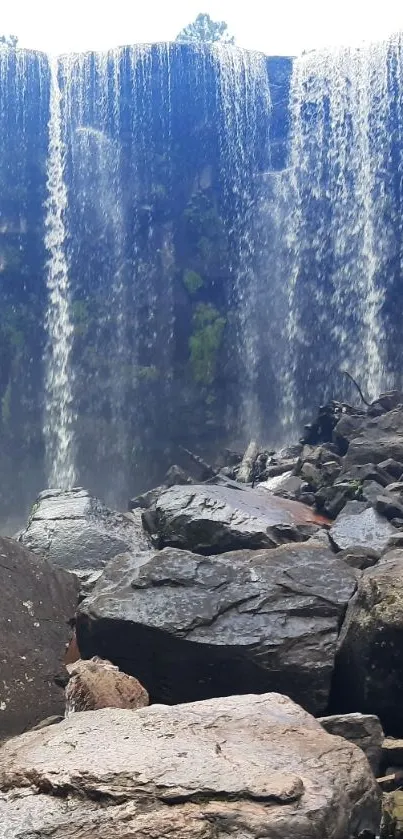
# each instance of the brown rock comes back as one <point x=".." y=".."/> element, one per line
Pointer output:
<point x="97" y="683"/>
<point x="37" y="602"/>
<point x="247" y="767"/>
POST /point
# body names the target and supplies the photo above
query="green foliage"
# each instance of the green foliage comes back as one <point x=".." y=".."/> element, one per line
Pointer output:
<point x="205" y="342"/>
<point x="205" y="30"/>
<point x="192" y="281"/>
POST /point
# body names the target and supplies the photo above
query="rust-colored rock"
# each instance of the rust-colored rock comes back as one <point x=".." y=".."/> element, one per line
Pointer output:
<point x="97" y="683"/>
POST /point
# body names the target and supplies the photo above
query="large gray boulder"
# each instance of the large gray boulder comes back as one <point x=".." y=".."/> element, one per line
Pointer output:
<point x="248" y="767"/>
<point x="211" y="519"/>
<point x="191" y="627"/>
<point x="76" y="531"/>
<point x="359" y="526"/>
<point x="37" y="602"/>
<point x="376" y="439"/>
<point x="369" y="664"/>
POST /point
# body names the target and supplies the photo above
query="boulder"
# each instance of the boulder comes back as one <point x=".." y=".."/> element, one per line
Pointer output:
<point x="364" y="730"/>
<point x="392" y="753"/>
<point x="377" y="439"/>
<point x="248" y="767"/>
<point x="211" y="519"/>
<point x="360" y="526"/>
<point x="369" y="663"/>
<point x="389" y="506"/>
<point x="37" y="602"/>
<point x="97" y="683"/>
<point x="191" y="627"/>
<point x="76" y="531"/>
<point x="359" y="557"/>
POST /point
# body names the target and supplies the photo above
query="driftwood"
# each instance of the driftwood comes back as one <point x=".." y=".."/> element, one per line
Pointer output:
<point x="246" y="471"/>
<point x="207" y="470"/>
<point x="349" y="376"/>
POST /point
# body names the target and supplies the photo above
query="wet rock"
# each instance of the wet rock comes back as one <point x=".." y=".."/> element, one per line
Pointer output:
<point x="243" y="766"/>
<point x="377" y="440"/>
<point x="365" y="472"/>
<point x="191" y="627"/>
<point x="275" y="469"/>
<point x="96" y="684"/>
<point x="360" y="558"/>
<point x="213" y="519"/>
<point x="285" y="486"/>
<point x="389" y="507"/>
<point x="371" y="491"/>
<point x="396" y="488"/>
<point x="37" y="602"/>
<point x="331" y="500"/>
<point x="246" y="470"/>
<point x="364" y="730"/>
<point x="76" y="531"/>
<point x="389" y="400"/>
<point x="395" y="541"/>
<point x="146" y="499"/>
<point x="176" y="476"/>
<point x="393" y="467"/>
<point x="358" y="526"/>
<point x="369" y="663"/>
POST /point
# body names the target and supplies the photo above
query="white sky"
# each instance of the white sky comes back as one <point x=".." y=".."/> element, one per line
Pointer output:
<point x="276" y="27"/>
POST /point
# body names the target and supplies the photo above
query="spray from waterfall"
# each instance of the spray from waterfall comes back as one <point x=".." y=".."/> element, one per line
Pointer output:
<point x="337" y="238"/>
<point x="243" y="97"/>
<point x="59" y="413"/>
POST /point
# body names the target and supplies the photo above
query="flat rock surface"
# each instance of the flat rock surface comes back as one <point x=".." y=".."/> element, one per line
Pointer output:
<point x="211" y="519"/>
<point x="76" y="531"/>
<point x="36" y="603"/>
<point x="243" y="766"/>
<point x="356" y="526"/>
<point x="191" y="627"/>
<point x="369" y="664"/>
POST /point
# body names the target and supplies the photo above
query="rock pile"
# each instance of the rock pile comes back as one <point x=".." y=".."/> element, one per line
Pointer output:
<point x="272" y="573"/>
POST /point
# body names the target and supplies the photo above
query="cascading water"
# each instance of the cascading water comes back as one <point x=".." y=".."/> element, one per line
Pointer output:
<point x="244" y="105"/>
<point x="218" y="246"/>
<point x="59" y="414"/>
<point x="337" y="239"/>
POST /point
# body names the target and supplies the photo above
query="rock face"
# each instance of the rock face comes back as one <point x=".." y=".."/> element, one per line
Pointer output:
<point x="213" y="519"/>
<point x="377" y="439"/>
<point x="76" y="531"/>
<point x="364" y="730"/>
<point x="191" y="627"/>
<point x="97" y="683"/>
<point x="36" y="604"/>
<point x="358" y="526"/>
<point x="243" y="766"/>
<point x="369" y="668"/>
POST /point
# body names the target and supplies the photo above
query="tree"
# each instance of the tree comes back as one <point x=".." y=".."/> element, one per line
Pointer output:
<point x="9" y="40"/>
<point x="205" y="30"/>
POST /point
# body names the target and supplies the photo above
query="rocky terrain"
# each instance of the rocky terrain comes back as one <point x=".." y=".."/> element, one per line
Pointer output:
<point x="257" y="604"/>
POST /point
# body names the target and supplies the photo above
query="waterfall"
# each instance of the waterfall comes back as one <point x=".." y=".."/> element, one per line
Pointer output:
<point x="91" y="93"/>
<point x="337" y="240"/>
<point x="59" y="414"/>
<point x="244" y="105"/>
